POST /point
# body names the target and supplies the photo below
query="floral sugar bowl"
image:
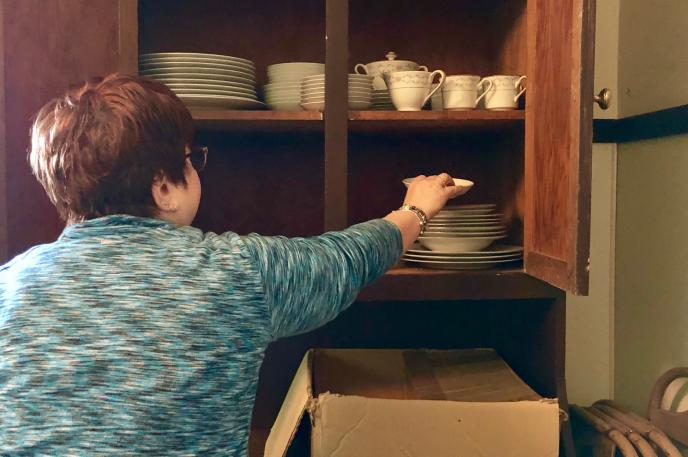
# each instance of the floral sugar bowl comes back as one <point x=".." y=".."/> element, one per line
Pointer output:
<point x="381" y="69"/>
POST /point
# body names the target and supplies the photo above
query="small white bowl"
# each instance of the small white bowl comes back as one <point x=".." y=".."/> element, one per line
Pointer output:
<point x="455" y="244"/>
<point x="464" y="184"/>
<point x="285" y="106"/>
<point x="314" y="106"/>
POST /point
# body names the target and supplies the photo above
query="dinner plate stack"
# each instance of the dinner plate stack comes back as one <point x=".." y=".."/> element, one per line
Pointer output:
<point x="493" y="257"/>
<point x="462" y="237"/>
<point x="382" y="100"/>
<point x="204" y="80"/>
<point x="283" y="90"/>
<point x="313" y="92"/>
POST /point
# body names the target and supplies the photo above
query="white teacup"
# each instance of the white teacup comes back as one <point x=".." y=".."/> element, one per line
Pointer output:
<point x="504" y="92"/>
<point x="460" y="92"/>
<point x="410" y="90"/>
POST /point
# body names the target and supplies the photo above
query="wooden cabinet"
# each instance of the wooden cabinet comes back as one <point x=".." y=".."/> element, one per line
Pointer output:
<point x="298" y="174"/>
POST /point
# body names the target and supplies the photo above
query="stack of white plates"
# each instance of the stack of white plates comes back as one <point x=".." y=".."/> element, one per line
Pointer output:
<point x="492" y="257"/>
<point x="462" y="237"/>
<point x="382" y="100"/>
<point x="283" y="91"/>
<point x="313" y="92"/>
<point x="204" y="80"/>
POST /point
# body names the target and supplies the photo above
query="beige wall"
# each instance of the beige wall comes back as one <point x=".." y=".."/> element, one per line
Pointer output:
<point x="607" y="55"/>
<point x="589" y="320"/>
<point x="653" y="55"/>
<point x="651" y="265"/>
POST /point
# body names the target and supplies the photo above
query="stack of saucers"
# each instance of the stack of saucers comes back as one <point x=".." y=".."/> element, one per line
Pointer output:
<point x="382" y="100"/>
<point x="494" y="256"/>
<point x="313" y="92"/>
<point x="204" y="80"/>
<point x="283" y="91"/>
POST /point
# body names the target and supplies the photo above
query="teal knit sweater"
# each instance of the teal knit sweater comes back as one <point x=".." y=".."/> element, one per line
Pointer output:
<point x="132" y="336"/>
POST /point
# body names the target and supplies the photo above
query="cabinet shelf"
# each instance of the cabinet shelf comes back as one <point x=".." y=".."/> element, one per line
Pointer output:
<point x="420" y="284"/>
<point x="435" y="120"/>
<point x="239" y="120"/>
<point x="278" y="121"/>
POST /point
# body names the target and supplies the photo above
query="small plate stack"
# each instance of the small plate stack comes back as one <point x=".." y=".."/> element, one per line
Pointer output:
<point x="283" y="91"/>
<point x="382" y="100"/>
<point x="204" y="80"/>
<point x="313" y="92"/>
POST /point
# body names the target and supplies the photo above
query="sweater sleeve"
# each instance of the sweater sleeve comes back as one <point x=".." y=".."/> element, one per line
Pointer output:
<point x="309" y="281"/>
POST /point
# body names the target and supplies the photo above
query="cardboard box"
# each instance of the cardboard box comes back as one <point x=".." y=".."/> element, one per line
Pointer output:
<point x="412" y="403"/>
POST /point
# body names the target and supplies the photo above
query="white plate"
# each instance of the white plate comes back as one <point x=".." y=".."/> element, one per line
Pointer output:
<point x="213" y="92"/>
<point x="205" y="79"/>
<point x="186" y="61"/>
<point x="443" y="258"/>
<point x="222" y="87"/>
<point x="438" y="234"/>
<point x="187" y="72"/>
<point x="193" y="55"/>
<point x="321" y="98"/>
<point x="497" y="249"/>
<point x="467" y="224"/>
<point x="220" y="101"/>
<point x="471" y="265"/>
<point x="464" y="219"/>
<point x="456" y="244"/>
<point x="464" y="183"/>
<point x="351" y="77"/>
<point x="212" y="81"/>
<point x="295" y="65"/>
<point x="163" y="65"/>
<point x="276" y="86"/>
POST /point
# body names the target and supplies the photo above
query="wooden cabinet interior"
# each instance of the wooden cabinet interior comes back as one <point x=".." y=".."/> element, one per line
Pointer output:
<point x="458" y="36"/>
<point x="266" y="172"/>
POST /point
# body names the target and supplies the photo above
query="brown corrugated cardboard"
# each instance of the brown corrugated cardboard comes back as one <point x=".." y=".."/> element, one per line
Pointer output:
<point x="415" y="403"/>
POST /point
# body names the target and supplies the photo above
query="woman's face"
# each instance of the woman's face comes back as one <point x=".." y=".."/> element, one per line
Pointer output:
<point x="190" y="197"/>
<point x="178" y="202"/>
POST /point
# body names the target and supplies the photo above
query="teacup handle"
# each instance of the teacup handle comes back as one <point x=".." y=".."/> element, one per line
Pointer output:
<point x="360" y="65"/>
<point x="490" y="84"/>
<point x="517" y="85"/>
<point x="422" y="68"/>
<point x="438" y="87"/>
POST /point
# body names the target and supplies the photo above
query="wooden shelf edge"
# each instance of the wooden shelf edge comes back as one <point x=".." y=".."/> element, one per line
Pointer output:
<point x="454" y="116"/>
<point x="420" y="284"/>
<point x="265" y="120"/>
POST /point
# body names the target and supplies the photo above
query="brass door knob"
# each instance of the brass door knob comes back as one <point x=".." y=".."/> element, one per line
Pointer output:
<point x="604" y="98"/>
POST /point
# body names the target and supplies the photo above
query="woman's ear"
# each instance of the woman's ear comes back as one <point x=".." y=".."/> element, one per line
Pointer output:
<point x="163" y="195"/>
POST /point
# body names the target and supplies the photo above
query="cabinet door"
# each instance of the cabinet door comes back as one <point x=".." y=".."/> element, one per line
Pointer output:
<point x="46" y="47"/>
<point x="559" y="141"/>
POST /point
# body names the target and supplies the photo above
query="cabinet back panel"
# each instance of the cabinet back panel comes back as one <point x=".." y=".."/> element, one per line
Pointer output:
<point x="269" y="184"/>
<point x="457" y="36"/>
<point x="264" y="31"/>
<point x="378" y="164"/>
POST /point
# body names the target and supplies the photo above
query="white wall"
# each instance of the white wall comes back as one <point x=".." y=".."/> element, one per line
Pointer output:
<point x="589" y="320"/>
<point x="653" y="55"/>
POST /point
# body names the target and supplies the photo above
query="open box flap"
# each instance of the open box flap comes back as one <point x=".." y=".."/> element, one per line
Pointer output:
<point x="295" y="404"/>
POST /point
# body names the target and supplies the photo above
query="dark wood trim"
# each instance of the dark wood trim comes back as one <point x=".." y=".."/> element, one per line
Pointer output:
<point x="4" y="241"/>
<point x="336" y="94"/>
<point x="567" y="444"/>
<point x="419" y="284"/>
<point x="258" y="121"/>
<point x="128" y="39"/>
<point x="657" y="124"/>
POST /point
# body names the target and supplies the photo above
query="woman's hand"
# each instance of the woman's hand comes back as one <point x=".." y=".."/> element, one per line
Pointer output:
<point x="430" y="193"/>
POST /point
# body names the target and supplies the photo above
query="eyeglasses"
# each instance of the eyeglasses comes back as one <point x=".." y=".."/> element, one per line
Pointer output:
<point x="198" y="155"/>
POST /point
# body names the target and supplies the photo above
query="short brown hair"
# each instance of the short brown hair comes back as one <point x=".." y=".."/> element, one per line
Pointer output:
<point x="97" y="149"/>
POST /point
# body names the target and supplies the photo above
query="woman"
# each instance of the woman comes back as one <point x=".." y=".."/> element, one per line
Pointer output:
<point x="135" y="333"/>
